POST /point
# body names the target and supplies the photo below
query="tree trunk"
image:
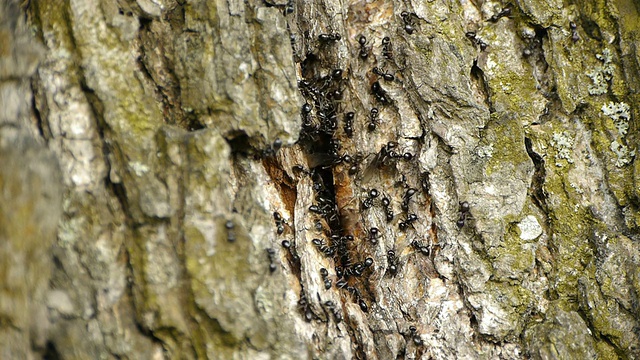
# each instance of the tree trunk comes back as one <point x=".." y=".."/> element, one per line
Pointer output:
<point x="319" y="179"/>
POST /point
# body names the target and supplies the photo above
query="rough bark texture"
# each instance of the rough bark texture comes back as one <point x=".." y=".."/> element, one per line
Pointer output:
<point x="192" y="156"/>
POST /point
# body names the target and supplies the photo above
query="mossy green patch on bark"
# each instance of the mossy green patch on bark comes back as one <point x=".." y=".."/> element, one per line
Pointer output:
<point x="604" y="132"/>
<point x="600" y="310"/>
<point x="507" y="136"/>
<point x="562" y="335"/>
<point x="501" y="308"/>
<point x="570" y="248"/>
<point x="513" y="259"/>
<point x="609" y="298"/>
<point x="226" y="259"/>
<point x="512" y="83"/>
<point x="543" y="13"/>
<point x="516" y="92"/>
<point x="605" y="350"/>
<point x="570" y="225"/>
<point x="216" y="279"/>
<point x="566" y="58"/>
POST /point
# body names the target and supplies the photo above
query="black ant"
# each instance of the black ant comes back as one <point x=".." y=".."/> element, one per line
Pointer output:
<point x="368" y="262"/>
<point x="373" y="235"/>
<point x="402" y="181"/>
<point x="420" y="247"/>
<point x="373" y="120"/>
<point x="574" y="31"/>
<point x="289" y="8"/>
<point x="464" y="214"/>
<point x="286" y="8"/>
<point x="405" y="199"/>
<point x="300" y="169"/>
<point x="272" y="266"/>
<point x="471" y="35"/>
<point x="387" y="51"/>
<point x="408" y="23"/>
<point x="325" y="276"/>
<point x="346" y="158"/>
<point x="381" y="159"/>
<point x="316" y="209"/>
<point x="231" y="235"/>
<point x="271" y="151"/>
<point x="380" y="94"/>
<point x="363" y="305"/>
<point x="386" y="203"/>
<point x="355" y="292"/>
<point x="364" y="52"/>
<point x="348" y="124"/>
<point x="303" y="305"/>
<point x="392" y="260"/>
<point x="386" y="153"/>
<point x="424" y="182"/>
<point x="385" y="75"/>
<point x="334" y="148"/>
<point x="368" y="202"/>
<point x="414" y="336"/>
<point x="411" y="218"/>
<point x="279" y="222"/>
<point x="396" y="155"/>
<point x="336" y="313"/>
<point x="504" y="12"/>
<point x="322" y="247"/>
<point x="277" y="144"/>
<point x="359" y="268"/>
<point x="325" y="38"/>
<point x="355" y="162"/>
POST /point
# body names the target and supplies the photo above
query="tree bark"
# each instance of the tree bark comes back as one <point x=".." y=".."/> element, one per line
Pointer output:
<point x="175" y="180"/>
